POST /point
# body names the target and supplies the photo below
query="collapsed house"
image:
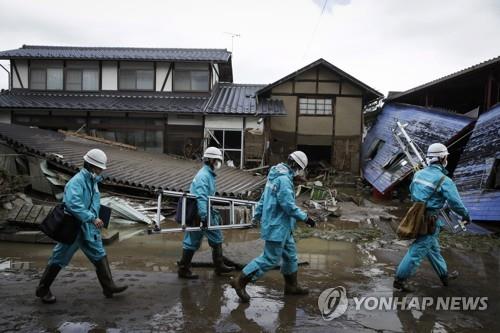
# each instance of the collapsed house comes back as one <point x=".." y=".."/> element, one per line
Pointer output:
<point x="438" y="111"/>
<point x="478" y="172"/>
<point x="47" y="152"/>
<point x="385" y="165"/>
<point x="180" y="101"/>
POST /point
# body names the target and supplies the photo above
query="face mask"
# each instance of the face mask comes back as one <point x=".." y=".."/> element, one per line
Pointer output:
<point x="445" y="163"/>
<point x="217" y="165"/>
<point x="298" y="172"/>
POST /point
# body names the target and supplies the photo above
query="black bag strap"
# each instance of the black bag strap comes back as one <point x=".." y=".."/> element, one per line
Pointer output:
<point x="441" y="181"/>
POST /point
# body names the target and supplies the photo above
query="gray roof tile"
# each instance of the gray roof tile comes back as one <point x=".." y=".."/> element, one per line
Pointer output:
<point x="116" y="53"/>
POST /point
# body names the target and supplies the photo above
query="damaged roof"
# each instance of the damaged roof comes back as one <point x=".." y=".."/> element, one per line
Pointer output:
<point x="459" y="74"/>
<point x="476" y="175"/>
<point x="228" y="98"/>
<point x="142" y="170"/>
<point x="231" y="98"/>
<point x="116" y="53"/>
<point x="381" y="166"/>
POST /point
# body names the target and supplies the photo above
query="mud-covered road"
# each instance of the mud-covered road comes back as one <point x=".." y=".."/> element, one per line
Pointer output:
<point x="157" y="301"/>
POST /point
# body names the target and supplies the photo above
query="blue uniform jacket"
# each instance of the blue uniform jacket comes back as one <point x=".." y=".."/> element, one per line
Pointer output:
<point x="77" y="196"/>
<point x="423" y="185"/>
<point x="276" y="208"/>
<point x="203" y="186"/>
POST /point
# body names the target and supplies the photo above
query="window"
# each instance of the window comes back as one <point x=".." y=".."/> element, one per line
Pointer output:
<point x="82" y="79"/>
<point x="191" y="77"/>
<point x="46" y="78"/>
<point x="397" y="161"/>
<point x="315" y="106"/>
<point x="375" y="148"/>
<point x="136" y="76"/>
<point x="229" y="141"/>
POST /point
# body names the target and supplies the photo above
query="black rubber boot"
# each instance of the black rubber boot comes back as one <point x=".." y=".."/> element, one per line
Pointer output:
<point x="106" y="279"/>
<point x="220" y="267"/>
<point x="184" y="271"/>
<point x="450" y="276"/>
<point x="43" y="289"/>
<point x="402" y="285"/>
<point x="292" y="286"/>
<point x="239" y="284"/>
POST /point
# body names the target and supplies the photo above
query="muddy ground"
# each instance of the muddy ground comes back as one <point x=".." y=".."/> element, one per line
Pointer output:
<point x="363" y="261"/>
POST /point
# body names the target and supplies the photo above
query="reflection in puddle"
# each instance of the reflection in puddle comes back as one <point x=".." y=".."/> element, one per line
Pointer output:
<point x="6" y="264"/>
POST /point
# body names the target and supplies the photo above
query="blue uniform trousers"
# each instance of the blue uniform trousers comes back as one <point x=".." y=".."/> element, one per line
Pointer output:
<point x="93" y="249"/>
<point x="274" y="252"/>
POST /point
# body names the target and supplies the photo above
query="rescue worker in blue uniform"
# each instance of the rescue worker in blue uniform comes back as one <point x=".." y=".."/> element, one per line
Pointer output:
<point x="277" y="213"/>
<point x="82" y="200"/>
<point x="204" y="186"/>
<point x="428" y="185"/>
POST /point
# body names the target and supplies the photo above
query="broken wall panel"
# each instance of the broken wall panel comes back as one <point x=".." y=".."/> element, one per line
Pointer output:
<point x="383" y="162"/>
<point x="477" y="173"/>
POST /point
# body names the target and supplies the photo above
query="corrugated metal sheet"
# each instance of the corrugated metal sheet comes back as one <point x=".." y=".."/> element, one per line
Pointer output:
<point x="116" y="53"/>
<point x="132" y="168"/>
<point x="425" y="126"/>
<point x="475" y="166"/>
<point x="230" y="98"/>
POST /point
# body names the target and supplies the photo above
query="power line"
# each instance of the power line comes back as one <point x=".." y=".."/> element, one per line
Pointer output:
<point x="315" y="28"/>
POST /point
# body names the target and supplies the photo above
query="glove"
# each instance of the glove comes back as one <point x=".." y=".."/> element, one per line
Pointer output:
<point x="466" y="220"/>
<point x="310" y="222"/>
<point x="204" y="225"/>
<point x="255" y="223"/>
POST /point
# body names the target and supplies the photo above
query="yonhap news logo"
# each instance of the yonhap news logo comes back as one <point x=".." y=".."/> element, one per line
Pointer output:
<point x="333" y="303"/>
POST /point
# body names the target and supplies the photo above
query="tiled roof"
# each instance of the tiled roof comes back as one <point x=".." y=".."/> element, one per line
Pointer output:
<point x="425" y="126"/>
<point x="103" y="101"/>
<point x="139" y="169"/>
<point x="116" y="53"/>
<point x="227" y="98"/>
<point x="230" y="98"/>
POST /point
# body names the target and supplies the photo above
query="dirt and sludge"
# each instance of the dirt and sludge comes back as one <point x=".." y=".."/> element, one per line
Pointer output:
<point x="353" y="246"/>
<point x="357" y="250"/>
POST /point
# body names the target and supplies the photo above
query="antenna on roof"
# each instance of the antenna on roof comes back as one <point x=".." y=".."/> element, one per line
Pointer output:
<point x="233" y="35"/>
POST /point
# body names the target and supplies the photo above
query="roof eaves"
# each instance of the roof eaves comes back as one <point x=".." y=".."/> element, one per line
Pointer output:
<point x="445" y="78"/>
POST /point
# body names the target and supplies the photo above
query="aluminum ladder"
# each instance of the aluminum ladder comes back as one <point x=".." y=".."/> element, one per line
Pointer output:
<point x="232" y="203"/>
<point x="454" y="223"/>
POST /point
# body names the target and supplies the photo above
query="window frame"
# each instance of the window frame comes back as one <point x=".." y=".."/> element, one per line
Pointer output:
<point x="177" y="70"/>
<point x="135" y="70"/>
<point x="45" y="70"/>
<point x="316" y="98"/>
<point x="81" y="70"/>
<point x="223" y="143"/>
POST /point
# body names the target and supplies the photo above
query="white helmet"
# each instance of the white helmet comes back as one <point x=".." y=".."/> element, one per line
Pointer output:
<point x="213" y="152"/>
<point x="437" y="150"/>
<point x="97" y="158"/>
<point x="300" y="158"/>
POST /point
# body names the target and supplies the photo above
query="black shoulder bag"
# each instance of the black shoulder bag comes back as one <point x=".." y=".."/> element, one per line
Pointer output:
<point x="62" y="227"/>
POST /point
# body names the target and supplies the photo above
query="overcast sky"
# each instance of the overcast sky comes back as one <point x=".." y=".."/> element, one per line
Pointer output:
<point x="387" y="44"/>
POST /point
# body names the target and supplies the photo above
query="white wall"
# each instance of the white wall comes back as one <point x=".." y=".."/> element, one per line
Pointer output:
<point x="223" y="122"/>
<point x="215" y="77"/>
<point x="22" y="68"/>
<point x="185" y="120"/>
<point x="109" y="75"/>
<point x="161" y="73"/>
